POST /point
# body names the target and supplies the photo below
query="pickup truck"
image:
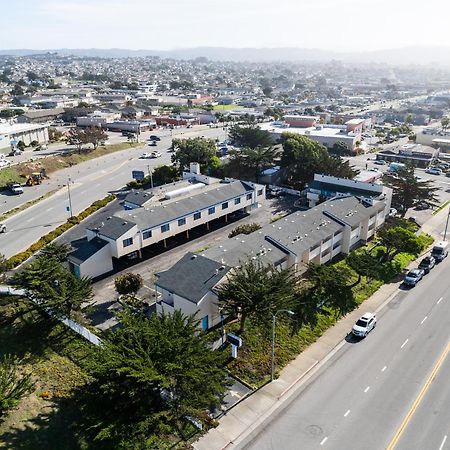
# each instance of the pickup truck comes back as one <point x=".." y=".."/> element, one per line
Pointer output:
<point x="16" y="188"/>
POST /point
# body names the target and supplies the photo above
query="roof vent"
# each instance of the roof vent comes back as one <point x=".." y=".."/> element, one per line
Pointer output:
<point x="193" y="256"/>
<point x="109" y="218"/>
<point x="222" y="268"/>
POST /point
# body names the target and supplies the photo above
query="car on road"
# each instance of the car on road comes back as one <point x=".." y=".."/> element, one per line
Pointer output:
<point x="155" y="154"/>
<point x="413" y="277"/>
<point x="4" y="163"/>
<point x="440" y="251"/>
<point x="16" y="188"/>
<point x="364" y="325"/>
<point x="146" y="155"/>
<point x="2" y="228"/>
<point x="434" y="171"/>
<point x="380" y="162"/>
<point x="15" y="152"/>
<point x="154" y="138"/>
<point x="427" y="264"/>
<point x="152" y="143"/>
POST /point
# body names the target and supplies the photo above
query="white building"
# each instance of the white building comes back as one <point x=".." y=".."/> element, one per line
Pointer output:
<point x="11" y="134"/>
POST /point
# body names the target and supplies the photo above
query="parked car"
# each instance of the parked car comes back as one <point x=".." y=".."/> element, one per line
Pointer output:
<point x="392" y="212"/>
<point x="154" y="138"/>
<point x="155" y="155"/>
<point x="440" y="251"/>
<point x="364" y="325"/>
<point x="2" y="228"/>
<point x="4" y="163"/>
<point x="16" y="188"/>
<point x="427" y="263"/>
<point x="380" y="162"/>
<point x="15" y="152"/>
<point x="413" y="277"/>
<point x="152" y="143"/>
<point x="434" y="171"/>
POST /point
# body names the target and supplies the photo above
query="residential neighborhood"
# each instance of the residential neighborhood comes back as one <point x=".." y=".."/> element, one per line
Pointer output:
<point x="209" y="241"/>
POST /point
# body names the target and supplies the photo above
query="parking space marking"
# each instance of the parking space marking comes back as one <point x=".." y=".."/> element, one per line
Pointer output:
<point x="423" y="320"/>
<point x="366" y="389"/>
<point x="404" y="343"/>
<point x="440" y="300"/>
<point x="384" y="368"/>
<point x="347" y="413"/>
<point x="443" y="443"/>
<point x="325" y="439"/>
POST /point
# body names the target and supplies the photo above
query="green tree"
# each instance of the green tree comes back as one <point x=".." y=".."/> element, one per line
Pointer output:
<point x="193" y="150"/>
<point x="340" y="148"/>
<point x="164" y="174"/>
<point x="303" y="157"/>
<point x="52" y="286"/>
<point x="56" y="250"/>
<point x="363" y="263"/>
<point x="397" y="240"/>
<point x="128" y="283"/>
<point x="409" y="191"/>
<point x="13" y="384"/>
<point x="259" y="158"/>
<point x="148" y="377"/>
<point x="246" y="228"/>
<point x="21" y="145"/>
<point x="255" y="291"/>
<point x="250" y="136"/>
<point x="445" y="122"/>
<point x="4" y="266"/>
<point x="95" y="136"/>
<point x="77" y="137"/>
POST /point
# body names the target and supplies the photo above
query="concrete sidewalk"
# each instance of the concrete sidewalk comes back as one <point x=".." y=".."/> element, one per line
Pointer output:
<point x="239" y="423"/>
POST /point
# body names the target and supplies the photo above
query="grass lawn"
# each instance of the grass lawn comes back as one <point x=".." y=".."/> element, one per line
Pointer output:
<point x="253" y="362"/>
<point x="226" y="107"/>
<point x="52" y="353"/>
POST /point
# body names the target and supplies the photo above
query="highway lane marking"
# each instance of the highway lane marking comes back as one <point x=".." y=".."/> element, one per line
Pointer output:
<point x="404" y="343"/>
<point x="423" y="320"/>
<point x="366" y="389"/>
<point x="347" y="413"/>
<point x="384" y="368"/>
<point x="49" y="209"/>
<point x="443" y="443"/>
<point x="325" y="439"/>
<point x="440" y="300"/>
<point x="419" y="398"/>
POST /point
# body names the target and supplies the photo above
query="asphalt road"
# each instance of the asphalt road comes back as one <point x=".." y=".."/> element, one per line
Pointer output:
<point x="361" y="396"/>
<point x="90" y="181"/>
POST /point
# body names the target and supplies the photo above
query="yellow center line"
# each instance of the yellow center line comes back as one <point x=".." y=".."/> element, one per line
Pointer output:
<point x="419" y="398"/>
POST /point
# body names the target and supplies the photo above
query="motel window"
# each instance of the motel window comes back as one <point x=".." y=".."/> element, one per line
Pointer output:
<point x="165" y="228"/>
<point x="260" y="192"/>
<point x="211" y="210"/>
<point x="181" y="222"/>
<point x="237" y="201"/>
<point x="127" y="242"/>
<point x="249" y="196"/>
<point x="225" y="205"/>
<point x="147" y="234"/>
<point x="197" y="215"/>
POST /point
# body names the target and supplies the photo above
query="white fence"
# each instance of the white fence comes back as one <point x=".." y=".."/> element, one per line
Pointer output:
<point x="75" y="326"/>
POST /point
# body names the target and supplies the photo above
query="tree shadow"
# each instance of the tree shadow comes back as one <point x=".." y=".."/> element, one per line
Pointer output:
<point x="52" y="430"/>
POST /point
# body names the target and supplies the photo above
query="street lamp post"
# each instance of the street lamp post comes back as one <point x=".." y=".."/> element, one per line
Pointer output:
<point x="446" y="225"/>
<point x="70" y="199"/>
<point x="274" y="318"/>
<point x="150" y="172"/>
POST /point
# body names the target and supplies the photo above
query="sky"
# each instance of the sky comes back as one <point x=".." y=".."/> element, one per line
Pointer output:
<point x="339" y="25"/>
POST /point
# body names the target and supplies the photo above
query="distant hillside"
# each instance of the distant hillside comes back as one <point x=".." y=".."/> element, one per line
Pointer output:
<point x="399" y="56"/>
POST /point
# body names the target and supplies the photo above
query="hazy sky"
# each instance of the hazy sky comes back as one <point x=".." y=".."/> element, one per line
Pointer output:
<point x="156" y="24"/>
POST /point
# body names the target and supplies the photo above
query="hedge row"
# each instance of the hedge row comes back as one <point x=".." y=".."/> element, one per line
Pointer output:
<point x="15" y="260"/>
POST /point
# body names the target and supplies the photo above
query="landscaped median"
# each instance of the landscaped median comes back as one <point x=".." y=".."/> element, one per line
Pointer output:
<point x="253" y="364"/>
<point x="18" y="259"/>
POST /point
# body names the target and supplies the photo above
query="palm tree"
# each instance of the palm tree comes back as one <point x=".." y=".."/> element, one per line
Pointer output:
<point x="259" y="158"/>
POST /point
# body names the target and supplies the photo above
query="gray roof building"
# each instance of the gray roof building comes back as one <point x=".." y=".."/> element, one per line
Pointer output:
<point x="88" y="249"/>
<point x="113" y="227"/>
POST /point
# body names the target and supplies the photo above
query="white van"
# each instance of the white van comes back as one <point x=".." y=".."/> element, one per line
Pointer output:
<point x="440" y="250"/>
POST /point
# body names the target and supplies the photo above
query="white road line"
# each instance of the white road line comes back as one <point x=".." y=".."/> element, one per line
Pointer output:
<point x="49" y="209"/>
<point x="404" y="343"/>
<point x="423" y="320"/>
<point x="443" y="442"/>
<point x="384" y="368"/>
<point x="366" y="389"/>
<point x="325" y="439"/>
<point x="440" y="300"/>
<point x="347" y="413"/>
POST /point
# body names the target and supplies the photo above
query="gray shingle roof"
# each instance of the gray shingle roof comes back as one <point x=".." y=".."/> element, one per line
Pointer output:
<point x="153" y="216"/>
<point x="138" y="198"/>
<point x="192" y="277"/>
<point x="113" y="227"/>
<point x="88" y="249"/>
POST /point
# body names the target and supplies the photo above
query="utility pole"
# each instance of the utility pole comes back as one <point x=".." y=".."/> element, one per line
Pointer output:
<point x="150" y="172"/>
<point x="70" y="199"/>
<point x="446" y="225"/>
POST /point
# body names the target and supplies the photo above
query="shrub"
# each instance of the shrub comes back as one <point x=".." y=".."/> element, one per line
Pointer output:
<point x="246" y="228"/>
<point x="128" y="283"/>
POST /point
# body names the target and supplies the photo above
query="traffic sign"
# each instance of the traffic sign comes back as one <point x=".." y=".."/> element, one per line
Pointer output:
<point x="138" y="174"/>
<point x="234" y="340"/>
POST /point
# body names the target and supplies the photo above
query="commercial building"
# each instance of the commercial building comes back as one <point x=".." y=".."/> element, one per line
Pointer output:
<point x="172" y="209"/>
<point x="318" y="235"/>
<point x="12" y="134"/>
<point x="434" y="137"/>
<point x="419" y="155"/>
<point x="40" y="115"/>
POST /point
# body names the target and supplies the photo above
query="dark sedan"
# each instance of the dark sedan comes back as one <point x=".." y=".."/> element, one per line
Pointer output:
<point x="427" y="263"/>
